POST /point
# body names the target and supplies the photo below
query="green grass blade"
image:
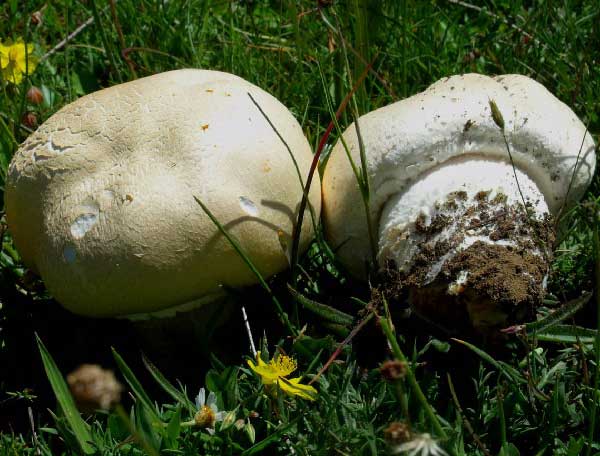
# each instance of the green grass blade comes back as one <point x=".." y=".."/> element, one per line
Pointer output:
<point x="566" y="311"/>
<point x="275" y="436"/>
<point x="568" y="334"/>
<point x="322" y="310"/>
<point x="594" y="408"/>
<point x="412" y="380"/>
<point x="240" y="251"/>
<point x="508" y="371"/>
<point x="168" y="386"/>
<point x="64" y="398"/>
<point x="135" y="385"/>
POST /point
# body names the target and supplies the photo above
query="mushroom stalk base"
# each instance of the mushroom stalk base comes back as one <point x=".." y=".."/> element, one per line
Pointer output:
<point x="475" y="257"/>
<point x="193" y="332"/>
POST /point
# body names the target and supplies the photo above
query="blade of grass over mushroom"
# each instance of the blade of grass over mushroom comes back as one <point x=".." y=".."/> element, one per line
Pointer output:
<point x="136" y="386"/>
<point x="64" y="398"/>
<point x="364" y="176"/>
<point x="499" y="121"/>
<point x="357" y="173"/>
<point x="168" y="386"/>
<point x="575" y="168"/>
<point x="314" y="165"/>
<point x="281" y="138"/>
<point x="322" y="310"/>
<point x="240" y="251"/>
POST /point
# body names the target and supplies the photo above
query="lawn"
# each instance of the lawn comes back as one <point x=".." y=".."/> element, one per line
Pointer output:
<point x="384" y="380"/>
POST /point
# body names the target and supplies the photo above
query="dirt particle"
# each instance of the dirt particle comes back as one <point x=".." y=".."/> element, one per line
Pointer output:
<point x="482" y="195"/>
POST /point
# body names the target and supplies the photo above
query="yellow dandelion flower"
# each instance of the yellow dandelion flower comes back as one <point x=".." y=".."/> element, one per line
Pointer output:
<point x="16" y="60"/>
<point x="275" y="373"/>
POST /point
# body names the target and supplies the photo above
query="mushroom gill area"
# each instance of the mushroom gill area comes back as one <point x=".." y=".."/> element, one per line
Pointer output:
<point x="464" y="250"/>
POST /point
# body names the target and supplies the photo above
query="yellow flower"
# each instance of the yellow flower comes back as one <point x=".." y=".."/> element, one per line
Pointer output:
<point x="16" y="60"/>
<point x="276" y="370"/>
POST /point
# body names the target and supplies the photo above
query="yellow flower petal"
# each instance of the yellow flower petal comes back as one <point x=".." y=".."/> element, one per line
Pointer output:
<point x="16" y="60"/>
<point x="4" y="56"/>
<point x="11" y="74"/>
<point x="24" y="61"/>
<point x="267" y="372"/>
<point x="293" y="387"/>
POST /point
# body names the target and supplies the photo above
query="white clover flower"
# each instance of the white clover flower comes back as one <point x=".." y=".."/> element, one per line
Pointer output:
<point x="208" y="414"/>
<point x="420" y="445"/>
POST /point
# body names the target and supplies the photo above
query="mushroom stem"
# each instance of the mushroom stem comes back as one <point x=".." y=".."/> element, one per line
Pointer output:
<point x="465" y="246"/>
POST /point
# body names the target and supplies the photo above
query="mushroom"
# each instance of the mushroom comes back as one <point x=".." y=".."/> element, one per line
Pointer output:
<point x="465" y="181"/>
<point x="100" y="199"/>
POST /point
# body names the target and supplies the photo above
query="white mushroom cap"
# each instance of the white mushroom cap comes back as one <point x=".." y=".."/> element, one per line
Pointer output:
<point x="100" y="199"/>
<point x="453" y="118"/>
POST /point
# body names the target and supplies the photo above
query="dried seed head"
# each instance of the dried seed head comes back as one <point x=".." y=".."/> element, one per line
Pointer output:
<point x="94" y="388"/>
<point x="393" y="370"/>
<point x="35" y="95"/>
<point x="29" y="119"/>
<point x="239" y="424"/>
<point x="397" y="432"/>
<point x="496" y="114"/>
<point x="37" y="17"/>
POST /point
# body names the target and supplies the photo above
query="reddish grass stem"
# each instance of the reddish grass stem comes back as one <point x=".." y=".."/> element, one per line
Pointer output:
<point x="313" y="168"/>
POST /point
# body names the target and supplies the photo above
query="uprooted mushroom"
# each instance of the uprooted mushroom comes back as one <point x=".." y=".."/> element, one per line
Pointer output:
<point x="467" y="179"/>
<point x="100" y="199"/>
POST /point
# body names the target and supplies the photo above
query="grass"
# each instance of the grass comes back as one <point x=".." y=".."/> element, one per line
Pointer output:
<point x="534" y="394"/>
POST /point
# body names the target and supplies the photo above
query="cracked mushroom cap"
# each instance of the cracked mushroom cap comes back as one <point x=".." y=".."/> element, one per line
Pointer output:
<point x="453" y="119"/>
<point x="100" y="199"/>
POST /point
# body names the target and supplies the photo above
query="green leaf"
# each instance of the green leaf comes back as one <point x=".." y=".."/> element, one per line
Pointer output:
<point x="67" y="404"/>
<point x="322" y="310"/>
<point x="148" y="436"/>
<point x="116" y="426"/>
<point x="224" y="383"/>
<point x="566" y="311"/>
<point x="168" y="386"/>
<point x="508" y="449"/>
<point x="173" y="429"/>
<point x="436" y="344"/>
<point x="575" y="446"/>
<point x="136" y="386"/>
<point x="257" y="448"/>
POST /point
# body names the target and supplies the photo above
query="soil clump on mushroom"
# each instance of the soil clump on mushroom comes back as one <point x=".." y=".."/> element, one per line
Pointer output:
<point x="488" y="273"/>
